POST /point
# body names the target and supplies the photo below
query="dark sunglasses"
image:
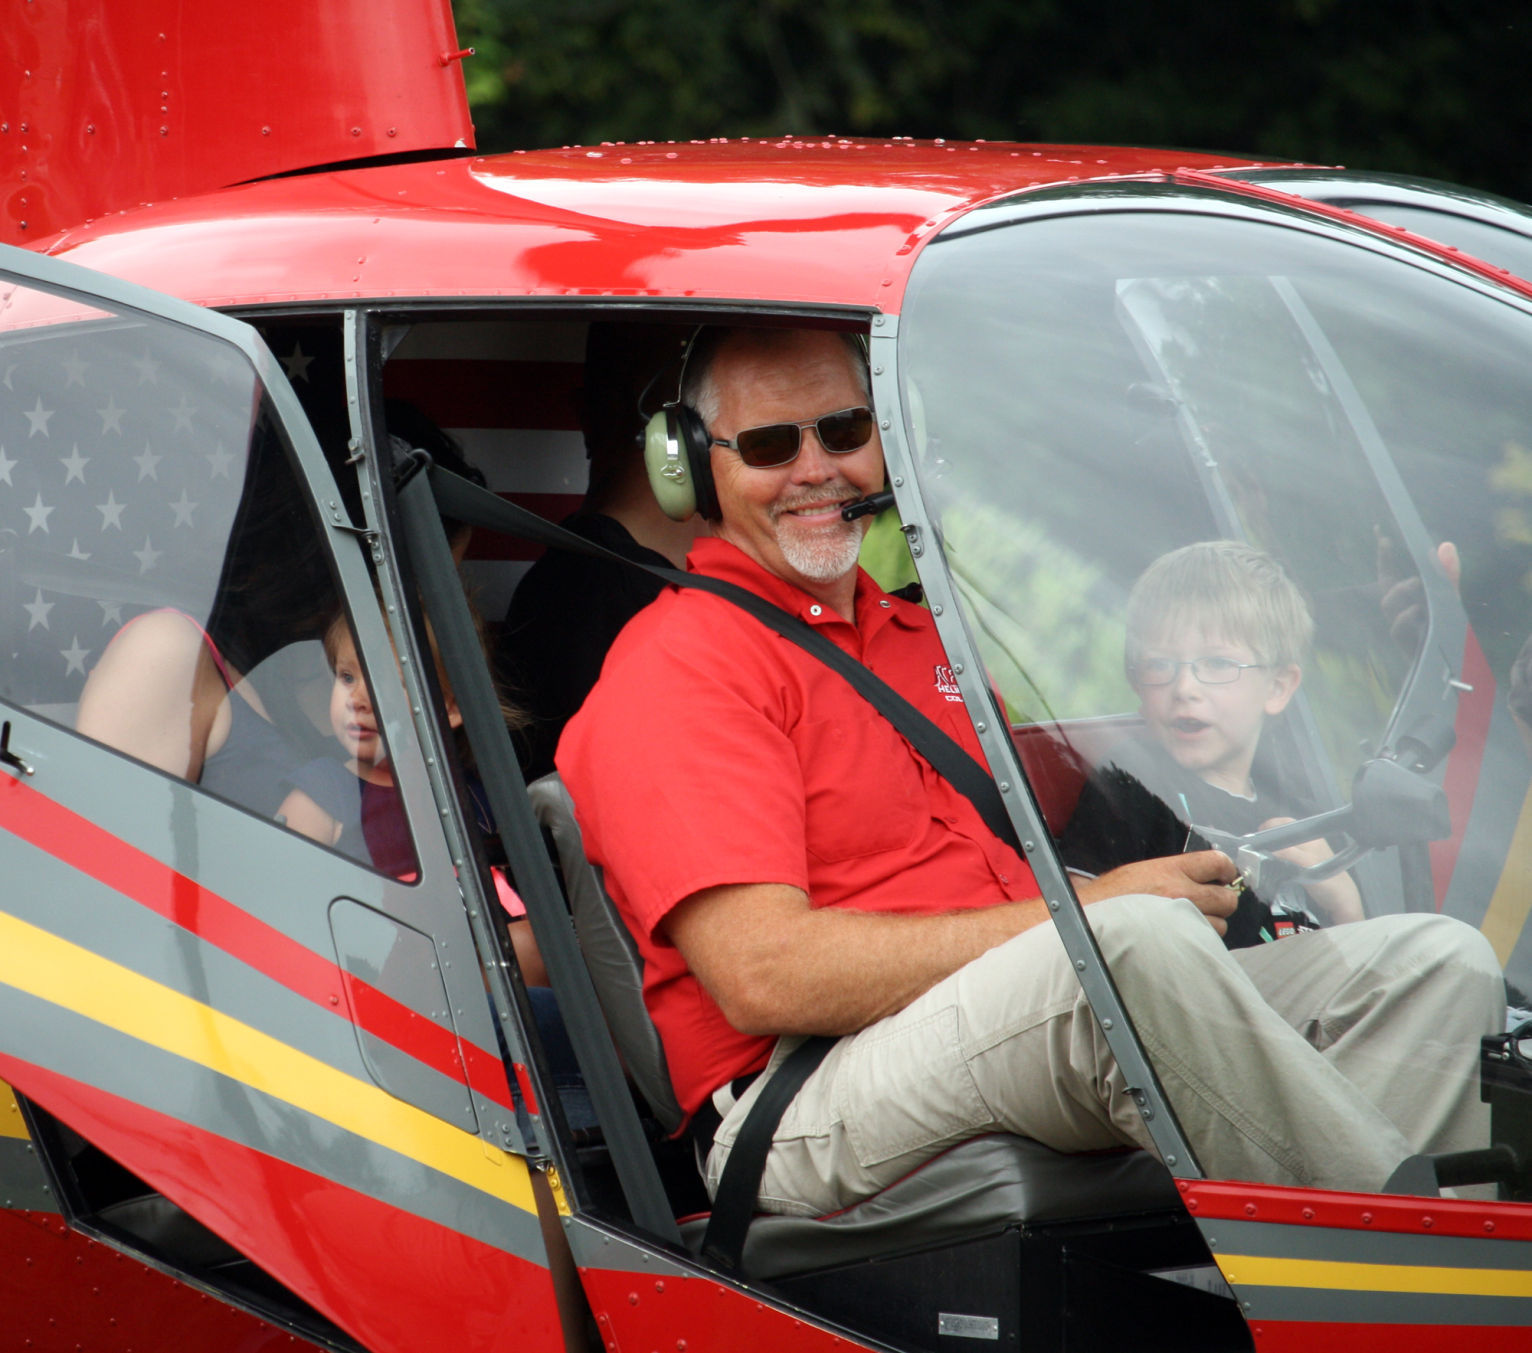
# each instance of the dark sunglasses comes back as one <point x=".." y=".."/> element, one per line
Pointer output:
<point x="774" y="444"/>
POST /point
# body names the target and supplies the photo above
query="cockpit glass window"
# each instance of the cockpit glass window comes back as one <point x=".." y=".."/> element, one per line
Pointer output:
<point x="1238" y="516"/>
<point x="1501" y="244"/>
<point x="164" y="586"/>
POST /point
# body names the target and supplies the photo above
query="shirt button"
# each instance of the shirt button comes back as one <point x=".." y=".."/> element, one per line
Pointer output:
<point x="816" y="610"/>
<point x="885" y="603"/>
<point x="1005" y="878"/>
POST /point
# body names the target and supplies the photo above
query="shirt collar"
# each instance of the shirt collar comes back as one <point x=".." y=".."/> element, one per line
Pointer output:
<point x="723" y="559"/>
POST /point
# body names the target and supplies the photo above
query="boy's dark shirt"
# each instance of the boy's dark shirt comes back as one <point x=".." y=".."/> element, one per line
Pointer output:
<point x="1139" y="804"/>
<point x="564" y="616"/>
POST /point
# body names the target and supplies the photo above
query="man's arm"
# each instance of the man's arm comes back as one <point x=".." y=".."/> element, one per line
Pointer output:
<point x="776" y="965"/>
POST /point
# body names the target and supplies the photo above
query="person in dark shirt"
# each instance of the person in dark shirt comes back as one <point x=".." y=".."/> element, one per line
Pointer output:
<point x="569" y="607"/>
<point x="1216" y="637"/>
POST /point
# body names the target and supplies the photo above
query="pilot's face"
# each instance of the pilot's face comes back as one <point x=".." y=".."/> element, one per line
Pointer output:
<point x="788" y="517"/>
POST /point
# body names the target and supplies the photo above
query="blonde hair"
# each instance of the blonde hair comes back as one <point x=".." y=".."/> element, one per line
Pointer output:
<point x="1225" y="587"/>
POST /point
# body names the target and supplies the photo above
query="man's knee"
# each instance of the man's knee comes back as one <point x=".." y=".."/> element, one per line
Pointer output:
<point x="1468" y="959"/>
<point x="1159" y="931"/>
<point x="1430" y="940"/>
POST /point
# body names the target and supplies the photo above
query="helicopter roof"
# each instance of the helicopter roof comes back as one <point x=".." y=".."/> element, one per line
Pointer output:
<point x="823" y="220"/>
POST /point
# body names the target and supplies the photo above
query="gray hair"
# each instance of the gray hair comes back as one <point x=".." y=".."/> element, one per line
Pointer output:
<point x="700" y="390"/>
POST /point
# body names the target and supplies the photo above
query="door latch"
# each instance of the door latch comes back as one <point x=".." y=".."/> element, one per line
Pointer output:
<point x="7" y="756"/>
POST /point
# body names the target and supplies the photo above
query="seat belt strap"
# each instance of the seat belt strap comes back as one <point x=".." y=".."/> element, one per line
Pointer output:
<point x="723" y="1243"/>
<point x="468" y="502"/>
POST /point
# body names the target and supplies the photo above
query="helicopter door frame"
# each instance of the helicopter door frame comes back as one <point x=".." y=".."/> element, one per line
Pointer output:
<point x="197" y="993"/>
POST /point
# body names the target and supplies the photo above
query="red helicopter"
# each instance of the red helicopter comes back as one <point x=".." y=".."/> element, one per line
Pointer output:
<point x="261" y="1091"/>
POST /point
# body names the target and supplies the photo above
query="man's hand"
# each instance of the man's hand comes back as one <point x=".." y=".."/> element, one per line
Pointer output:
<point x="1404" y="595"/>
<point x="1203" y="876"/>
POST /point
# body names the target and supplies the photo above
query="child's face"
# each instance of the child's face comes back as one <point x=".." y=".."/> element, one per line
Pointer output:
<point x="1212" y="730"/>
<point x="351" y="713"/>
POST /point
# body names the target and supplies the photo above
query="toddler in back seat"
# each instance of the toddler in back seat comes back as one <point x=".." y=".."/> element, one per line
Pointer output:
<point x="353" y="804"/>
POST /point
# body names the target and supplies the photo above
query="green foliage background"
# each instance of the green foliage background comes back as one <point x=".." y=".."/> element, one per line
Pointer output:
<point x="1408" y="86"/>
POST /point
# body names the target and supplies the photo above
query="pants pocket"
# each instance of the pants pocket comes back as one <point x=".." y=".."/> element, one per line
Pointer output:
<point x="904" y="1088"/>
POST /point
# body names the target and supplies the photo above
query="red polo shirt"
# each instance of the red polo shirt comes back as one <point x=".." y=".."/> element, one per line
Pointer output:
<point x="714" y="751"/>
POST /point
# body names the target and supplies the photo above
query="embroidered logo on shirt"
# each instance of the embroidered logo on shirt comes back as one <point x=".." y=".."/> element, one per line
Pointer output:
<point x="946" y="683"/>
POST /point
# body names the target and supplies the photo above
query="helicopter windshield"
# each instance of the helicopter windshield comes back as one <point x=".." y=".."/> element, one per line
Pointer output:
<point x="1239" y="516"/>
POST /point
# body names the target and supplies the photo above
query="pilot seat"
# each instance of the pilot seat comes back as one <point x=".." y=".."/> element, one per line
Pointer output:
<point x="998" y="1240"/>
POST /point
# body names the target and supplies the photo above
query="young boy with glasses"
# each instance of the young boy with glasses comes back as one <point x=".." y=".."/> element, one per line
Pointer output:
<point x="1216" y="637"/>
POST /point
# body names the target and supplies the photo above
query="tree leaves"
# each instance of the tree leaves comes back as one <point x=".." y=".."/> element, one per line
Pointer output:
<point x="1413" y="87"/>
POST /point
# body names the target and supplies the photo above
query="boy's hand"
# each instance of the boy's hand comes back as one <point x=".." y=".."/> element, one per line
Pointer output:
<point x="1337" y="898"/>
<point x="1203" y="876"/>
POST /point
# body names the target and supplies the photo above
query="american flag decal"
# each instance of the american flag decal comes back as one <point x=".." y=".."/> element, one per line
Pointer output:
<point x="123" y="445"/>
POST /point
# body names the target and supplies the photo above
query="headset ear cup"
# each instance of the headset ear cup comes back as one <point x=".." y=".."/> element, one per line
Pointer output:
<point x="670" y="473"/>
<point x="697" y="447"/>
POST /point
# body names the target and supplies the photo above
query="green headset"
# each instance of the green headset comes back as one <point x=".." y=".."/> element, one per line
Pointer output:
<point x="678" y="451"/>
<point x="679" y="457"/>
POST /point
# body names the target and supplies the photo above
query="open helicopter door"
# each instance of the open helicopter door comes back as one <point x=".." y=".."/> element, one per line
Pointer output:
<point x="267" y="1065"/>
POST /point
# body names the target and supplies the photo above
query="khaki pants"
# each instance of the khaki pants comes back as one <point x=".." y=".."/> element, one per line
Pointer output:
<point x="1321" y="1060"/>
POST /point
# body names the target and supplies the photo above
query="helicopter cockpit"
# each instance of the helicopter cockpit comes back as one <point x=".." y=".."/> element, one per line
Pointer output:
<point x="1080" y="385"/>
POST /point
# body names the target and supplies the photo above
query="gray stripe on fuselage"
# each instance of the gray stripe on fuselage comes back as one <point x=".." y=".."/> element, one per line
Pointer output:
<point x="1338" y="1246"/>
<point x="49" y="894"/>
<point x="23" y="1182"/>
<point x="1328" y="1306"/>
<point x="83" y="1050"/>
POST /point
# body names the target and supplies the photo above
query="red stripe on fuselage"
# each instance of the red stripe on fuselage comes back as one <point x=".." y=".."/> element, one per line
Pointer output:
<point x="1461" y="779"/>
<point x="95" y="852"/>
<point x="1345" y="1336"/>
<point x="395" y="1281"/>
<point x="1365" y="1213"/>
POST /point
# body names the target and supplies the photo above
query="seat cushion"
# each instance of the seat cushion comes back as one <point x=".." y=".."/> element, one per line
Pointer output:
<point x="977" y="1187"/>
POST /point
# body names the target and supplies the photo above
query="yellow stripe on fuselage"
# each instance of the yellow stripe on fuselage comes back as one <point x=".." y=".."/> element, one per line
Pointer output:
<point x="66" y="975"/>
<point x="1512" y="898"/>
<point x="10" y="1114"/>
<point x="1243" y="1270"/>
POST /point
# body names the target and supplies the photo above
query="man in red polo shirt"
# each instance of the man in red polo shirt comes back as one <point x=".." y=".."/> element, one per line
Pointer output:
<point x="790" y="866"/>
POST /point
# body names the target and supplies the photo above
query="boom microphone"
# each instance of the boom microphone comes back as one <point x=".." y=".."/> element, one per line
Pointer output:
<point x="869" y="506"/>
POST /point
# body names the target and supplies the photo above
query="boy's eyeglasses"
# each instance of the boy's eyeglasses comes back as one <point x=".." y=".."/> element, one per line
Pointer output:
<point x="1209" y="671"/>
<point x="774" y="444"/>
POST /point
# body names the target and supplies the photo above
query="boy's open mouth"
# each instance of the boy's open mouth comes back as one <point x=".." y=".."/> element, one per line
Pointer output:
<point x="1189" y="726"/>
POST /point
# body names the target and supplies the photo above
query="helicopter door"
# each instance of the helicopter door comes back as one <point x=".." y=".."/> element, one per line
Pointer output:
<point x="237" y="986"/>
